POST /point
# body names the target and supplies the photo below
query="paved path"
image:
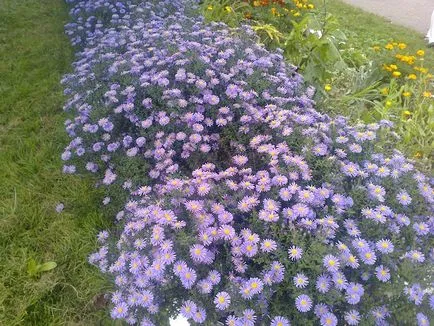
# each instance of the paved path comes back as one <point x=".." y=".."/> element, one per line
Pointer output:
<point x="415" y="14"/>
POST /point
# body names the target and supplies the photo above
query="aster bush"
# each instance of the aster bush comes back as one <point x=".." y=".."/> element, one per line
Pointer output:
<point x="240" y="203"/>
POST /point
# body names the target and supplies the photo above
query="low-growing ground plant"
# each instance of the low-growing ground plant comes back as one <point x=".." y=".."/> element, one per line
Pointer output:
<point x="348" y="76"/>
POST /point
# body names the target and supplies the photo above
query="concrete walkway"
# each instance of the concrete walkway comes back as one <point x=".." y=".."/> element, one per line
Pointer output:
<point x="415" y="14"/>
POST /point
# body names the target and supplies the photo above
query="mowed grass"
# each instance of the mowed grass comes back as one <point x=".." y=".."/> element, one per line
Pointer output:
<point x="34" y="54"/>
<point x="365" y="30"/>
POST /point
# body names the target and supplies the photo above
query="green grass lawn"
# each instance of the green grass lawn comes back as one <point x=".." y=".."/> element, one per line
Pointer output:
<point x="34" y="54"/>
<point x="365" y="29"/>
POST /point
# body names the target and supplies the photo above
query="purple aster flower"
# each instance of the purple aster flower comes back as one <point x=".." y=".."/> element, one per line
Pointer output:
<point x="232" y="91"/>
<point x="320" y="150"/>
<point x="415" y="256"/>
<point x="211" y="99"/>
<point x="205" y="286"/>
<point x="249" y="316"/>
<point x="331" y="263"/>
<point x="295" y="253"/>
<point x="214" y="277"/>
<point x="328" y="319"/>
<point x="226" y="232"/>
<point x="199" y="316"/>
<point x="303" y="303"/>
<point x="422" y="320"/>
<point x="188" y="309"/>
<point x="60" y="207"/>
<point x="188" y="278"/>
<point x="340" y="281"/>
<point x="368" y="257"/>
<point x="380" y="313"/>
<point x="280" y="321"/>
<point x="431" y="302"/>
<point x="382" y="273"/>
<point x="352" y="317"/>
<point x="323" y="283"/>
<point x="385" y="246"/>
<point x="376" y="192"/>
<point x="119" y="311"/>
<point x="415" y="293"/>
<point x="268" y="245"/>
<point x="222" y="300"/>
<point x="321" y="309"/>
<point x="403" y="198"/>
<point x="421" y="228"/>
<point x="300" y="280"/>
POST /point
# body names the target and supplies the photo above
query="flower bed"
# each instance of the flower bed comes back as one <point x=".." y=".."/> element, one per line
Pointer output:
<point x="240" y="202"/>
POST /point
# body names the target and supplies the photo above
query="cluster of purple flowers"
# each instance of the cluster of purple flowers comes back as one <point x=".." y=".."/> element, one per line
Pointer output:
<point x="241" y="196"/>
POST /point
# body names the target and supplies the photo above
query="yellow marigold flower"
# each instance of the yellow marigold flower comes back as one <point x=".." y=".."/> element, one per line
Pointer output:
<point x="388" y="68"/>
<point x="406" y="94"/>
<point x="402" y="46"/>
<point x="406" y="114"/>
<point x="427" y="94"/>
<point x="393" y="67"/>
<point x="396" y="74"/>
<point x="376" y="48"/>
<point x="418" y="154"/>
<point x="228" y="8"/>
<point x="423" y="70"/>
<point x="412" y="77"/>
<point x="389" y="46"/>
<point x="328" y="87"/>
<point x="310" y="6"/>
<point x="210" y="8"/>
<point x="256" y="3"/>
<point x="296" y="14"/>
<point x="399" y="56"/>
<point x="385" y="91"/>
<point x="409" y="59"/>
<point x="388" y="103"/>
<point x="274" y="11"/>
<point x="395" y="43"/>
<point x="420" y="53"/>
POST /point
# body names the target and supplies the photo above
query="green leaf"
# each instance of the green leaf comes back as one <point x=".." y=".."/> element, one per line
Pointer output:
<point x="45" y="267"/>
